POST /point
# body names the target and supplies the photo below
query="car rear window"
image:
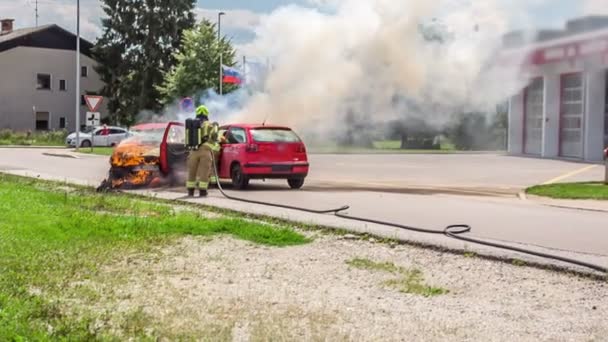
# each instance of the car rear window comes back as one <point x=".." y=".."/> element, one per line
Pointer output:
<point x="274" y="135"/>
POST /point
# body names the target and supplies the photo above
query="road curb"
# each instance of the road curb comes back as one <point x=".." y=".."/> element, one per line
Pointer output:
<point x="34" y="147"/>
<point x="408" y="189"/>
<point x="562" y="204"/>
<point x="60" y="155"/>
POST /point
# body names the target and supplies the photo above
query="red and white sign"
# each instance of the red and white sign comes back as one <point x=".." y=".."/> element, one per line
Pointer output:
<point x="93" y="102"/>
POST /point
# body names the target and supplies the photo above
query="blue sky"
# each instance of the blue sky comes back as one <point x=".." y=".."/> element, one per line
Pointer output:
<point x="243" y="14"/>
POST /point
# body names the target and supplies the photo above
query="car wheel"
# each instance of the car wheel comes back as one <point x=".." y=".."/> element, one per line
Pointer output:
<point x="295" y="183"/>
<point x="85" y="143"/>
<point x="239" y="179"/>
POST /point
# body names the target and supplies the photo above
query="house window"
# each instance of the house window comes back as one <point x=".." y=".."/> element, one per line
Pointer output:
<point x="62" y="85"/>
<point x="42" y="121"/>
<point x="84" y="71"/>
<point x="44" y="82"/>
<point x="62" y="122"/>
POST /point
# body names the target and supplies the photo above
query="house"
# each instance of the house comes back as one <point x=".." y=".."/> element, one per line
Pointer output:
<point x="563" y="110"/>
<point x="37" y="78"/>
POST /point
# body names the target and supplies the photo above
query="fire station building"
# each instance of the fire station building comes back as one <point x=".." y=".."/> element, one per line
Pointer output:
<point x="563" y="111"/>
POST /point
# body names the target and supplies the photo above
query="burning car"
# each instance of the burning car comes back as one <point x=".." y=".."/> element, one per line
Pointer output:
<point x="154" y="155"/>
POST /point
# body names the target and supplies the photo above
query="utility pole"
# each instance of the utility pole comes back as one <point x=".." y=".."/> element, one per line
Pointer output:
<point x="77" y="88"/>
<point x="36" y="11"/>
<point x="219" y="44"/>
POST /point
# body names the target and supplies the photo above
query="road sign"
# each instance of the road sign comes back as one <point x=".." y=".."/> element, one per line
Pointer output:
<point x="187" y="105"/>
<point x="93" y="102"/>
<point x="93" y="119"/>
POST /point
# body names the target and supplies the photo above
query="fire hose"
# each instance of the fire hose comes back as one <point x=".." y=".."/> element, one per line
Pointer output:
<point x="454" y="231"/>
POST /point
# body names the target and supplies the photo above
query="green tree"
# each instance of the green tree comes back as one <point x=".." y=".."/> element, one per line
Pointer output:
<point x="198" y="63"/>
<point x="136" y="49"/>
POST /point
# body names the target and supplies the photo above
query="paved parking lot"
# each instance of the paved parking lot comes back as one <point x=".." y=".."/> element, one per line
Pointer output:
<point x="485" y="172"/>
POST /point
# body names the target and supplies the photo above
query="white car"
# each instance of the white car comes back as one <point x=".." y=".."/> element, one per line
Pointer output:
<point x="92" y="136"/>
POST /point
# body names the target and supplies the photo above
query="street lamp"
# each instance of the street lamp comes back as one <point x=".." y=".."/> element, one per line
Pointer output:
<point x="219" y="41"/>
<point x="77" y="88"/>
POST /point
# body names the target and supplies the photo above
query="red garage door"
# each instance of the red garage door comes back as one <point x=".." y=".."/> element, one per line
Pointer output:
<point x="533" y="117"/>
<point x="572" y="112"/>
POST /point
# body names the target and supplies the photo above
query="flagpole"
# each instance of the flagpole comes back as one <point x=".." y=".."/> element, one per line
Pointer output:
<point x="219" y="44"/>
<point x="245" y="69"/>
<point x="77" y="86"/>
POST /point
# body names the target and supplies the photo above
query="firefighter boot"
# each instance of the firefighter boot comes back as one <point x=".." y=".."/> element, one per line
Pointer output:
<point x="203" y="193"/>
<point x="190" y="192"/>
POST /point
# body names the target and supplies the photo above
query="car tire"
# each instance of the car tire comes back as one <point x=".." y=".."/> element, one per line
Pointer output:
<point x="85" y="143"/>
<point x="295" y="183"/>
<point x="239" y="179"/>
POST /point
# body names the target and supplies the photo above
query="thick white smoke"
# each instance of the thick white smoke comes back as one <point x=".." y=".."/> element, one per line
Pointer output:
<point x="371" y="59"/>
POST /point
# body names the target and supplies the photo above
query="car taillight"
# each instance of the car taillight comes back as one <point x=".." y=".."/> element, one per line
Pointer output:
<point x="252" y="148"/>
<point x="301" y="149"/>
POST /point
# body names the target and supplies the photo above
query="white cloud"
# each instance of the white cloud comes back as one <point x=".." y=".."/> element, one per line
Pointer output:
<point x="595" y="7"/>
<point x="62" y="13"/>
<point x="235" y="19"/>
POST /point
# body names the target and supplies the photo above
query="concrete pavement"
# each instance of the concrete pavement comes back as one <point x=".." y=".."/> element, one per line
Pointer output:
<point x="583" y="234"/>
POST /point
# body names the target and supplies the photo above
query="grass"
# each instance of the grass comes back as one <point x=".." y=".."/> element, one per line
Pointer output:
<point x="38" y="138"/>
<point x="589" y="190"/>
<point x="102" y="151"/>
<point x="53" y="235"/>
<point x="366" y="264"/>
<point x="409" y="280"/>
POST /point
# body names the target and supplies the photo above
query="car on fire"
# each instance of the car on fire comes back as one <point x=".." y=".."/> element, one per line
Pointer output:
<point x="155" y="154"/>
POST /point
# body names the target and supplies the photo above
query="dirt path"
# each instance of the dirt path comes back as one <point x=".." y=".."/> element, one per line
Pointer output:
<point x="226" y="289"/>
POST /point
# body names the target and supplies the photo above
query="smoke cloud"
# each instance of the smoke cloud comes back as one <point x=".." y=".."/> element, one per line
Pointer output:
<point x="376" y="61"/>
<point x="379" y="60"/>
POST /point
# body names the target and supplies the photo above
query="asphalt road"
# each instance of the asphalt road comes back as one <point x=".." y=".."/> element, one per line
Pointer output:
<point x="565" y="231"/>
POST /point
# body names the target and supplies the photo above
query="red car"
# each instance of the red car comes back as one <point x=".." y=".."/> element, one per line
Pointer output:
<point x="262" y="152"/>
<point x="250" y="152"/>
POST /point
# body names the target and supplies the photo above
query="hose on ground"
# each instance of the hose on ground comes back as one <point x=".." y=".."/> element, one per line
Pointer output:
<point x="454" y="231"/>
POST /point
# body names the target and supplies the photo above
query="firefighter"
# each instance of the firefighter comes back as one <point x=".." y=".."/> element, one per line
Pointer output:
<point x="199" y="158"/>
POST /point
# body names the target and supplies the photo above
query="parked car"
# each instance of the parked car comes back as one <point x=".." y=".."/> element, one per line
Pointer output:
<point x="262" y="152"/>
<point x="93" y="136"/>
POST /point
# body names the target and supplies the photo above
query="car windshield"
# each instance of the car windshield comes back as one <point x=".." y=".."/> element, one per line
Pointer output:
<point x="274" y="135"/>
<point x="89" y="129"/>
<point x="149" y="135"/>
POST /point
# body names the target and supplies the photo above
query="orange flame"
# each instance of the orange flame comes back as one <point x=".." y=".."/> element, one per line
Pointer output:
<point x="134" y="165"/>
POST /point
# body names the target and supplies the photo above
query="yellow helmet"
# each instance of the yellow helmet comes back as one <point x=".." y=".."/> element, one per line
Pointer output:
<point x="202" y="111"/>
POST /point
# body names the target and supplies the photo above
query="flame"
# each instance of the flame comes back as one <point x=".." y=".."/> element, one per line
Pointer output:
<point x="135" y="165"/>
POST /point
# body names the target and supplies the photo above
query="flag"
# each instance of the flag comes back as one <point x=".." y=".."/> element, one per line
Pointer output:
<point x="231" y="75"/>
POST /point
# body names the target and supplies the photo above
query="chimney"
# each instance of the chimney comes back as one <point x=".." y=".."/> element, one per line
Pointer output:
<point x="7" y="26"/>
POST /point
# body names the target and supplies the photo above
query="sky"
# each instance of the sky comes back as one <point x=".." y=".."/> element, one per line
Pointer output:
<point x="244" y="15"/>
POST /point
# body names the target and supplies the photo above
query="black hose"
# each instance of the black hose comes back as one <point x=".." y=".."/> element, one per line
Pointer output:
<point x="454" y="231"/>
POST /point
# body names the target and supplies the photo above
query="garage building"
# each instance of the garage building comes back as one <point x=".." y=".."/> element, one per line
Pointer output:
<point x="563" y="111"/>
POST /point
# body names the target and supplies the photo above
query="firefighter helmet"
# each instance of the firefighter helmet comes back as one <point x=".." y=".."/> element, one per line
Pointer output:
<point x="202" y="111"/>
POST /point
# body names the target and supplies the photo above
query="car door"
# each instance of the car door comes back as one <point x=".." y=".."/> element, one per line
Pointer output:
<point x="233" y="149"/>
<point x="173" y="153"/>
<point x="98" y="138"/>
<point x="116" y="136"/>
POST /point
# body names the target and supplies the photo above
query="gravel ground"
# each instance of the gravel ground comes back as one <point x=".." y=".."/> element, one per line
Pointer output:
<point x="227" y="289"/>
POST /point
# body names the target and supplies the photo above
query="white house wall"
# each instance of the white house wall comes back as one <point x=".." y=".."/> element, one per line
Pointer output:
<point x="18" y="94"/>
